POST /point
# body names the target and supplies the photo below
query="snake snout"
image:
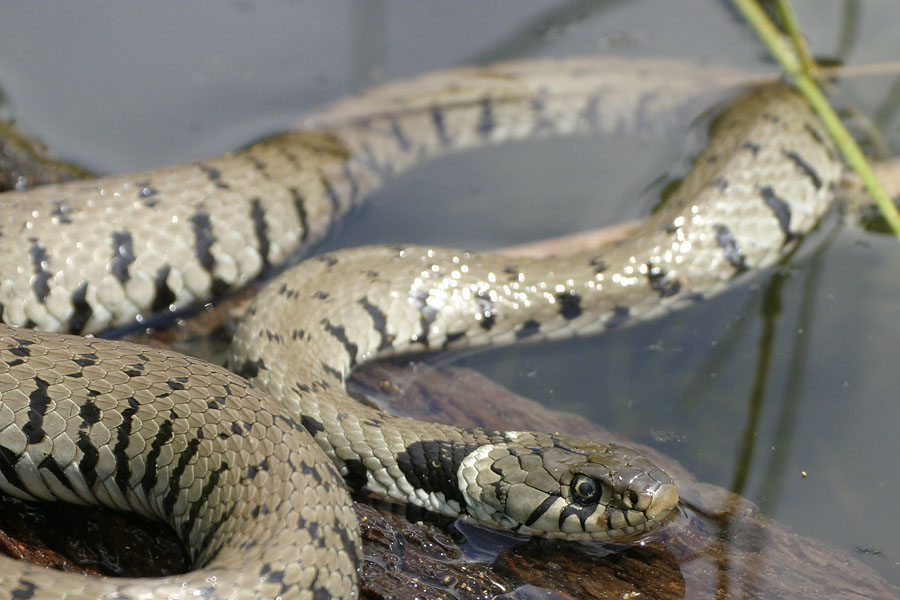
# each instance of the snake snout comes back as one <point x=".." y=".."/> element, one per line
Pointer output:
<point x="662" y="500"/>
<point x="645" y="494"/>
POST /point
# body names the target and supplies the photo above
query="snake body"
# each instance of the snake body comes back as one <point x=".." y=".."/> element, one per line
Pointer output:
<point x="240" y="470"/>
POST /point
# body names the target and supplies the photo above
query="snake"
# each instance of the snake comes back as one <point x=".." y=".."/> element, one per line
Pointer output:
<point x="252" y="465"/>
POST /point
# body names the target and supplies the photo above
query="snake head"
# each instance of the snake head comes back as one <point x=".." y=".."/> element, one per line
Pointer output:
<point x="561" y="487"/>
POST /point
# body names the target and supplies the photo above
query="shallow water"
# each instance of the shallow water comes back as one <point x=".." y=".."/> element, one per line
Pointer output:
<point x="790" y="373"/>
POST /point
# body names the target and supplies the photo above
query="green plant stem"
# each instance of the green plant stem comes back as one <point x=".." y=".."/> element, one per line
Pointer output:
<point x="793" y="68"/>
<point x="789" y="20"/>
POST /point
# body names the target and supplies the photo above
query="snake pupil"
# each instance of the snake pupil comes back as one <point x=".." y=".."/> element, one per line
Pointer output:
<point x="586" y="490"/>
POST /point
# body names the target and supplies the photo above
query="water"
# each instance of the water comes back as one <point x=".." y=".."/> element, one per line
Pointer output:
<point x="788" y="374"/>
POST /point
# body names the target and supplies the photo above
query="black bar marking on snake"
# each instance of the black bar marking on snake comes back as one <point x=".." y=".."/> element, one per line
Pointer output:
<point x="370" y="161"/>
<point x="25" y="589"/>
<point x="49" y="464"/>
<point x="278" y="576"/>
<point x="335" y="374"/>
<point x="752" y="147"/>
<point x="730" y="248"/>
<point x="340" y="335"/>
<point x="261" y="229"/>
<point x="356" y="475"/>
<point x="486" y="121"/>
<point x="259" y="165"/>
<point x="400" y="135"/>
<point x="146" y="192"/>
<point x="487" y="310"/>
<point x="440" y="127"/>
<point x="432" y="465"/>
<point x="164" y="297"/>
<point x="39" y="283"/>
<point x="290" y="156"/>
<point x="20" y="351"/>
<point x="452" y="337"/>
<point x="184" y="457"/>
<point x="804" y="166"/>
<point x="513" y="272"/>
<point x="86" y="359"/>
<point x="540" y="510"/>
<point x="657" y="278"/>
<point x="528" y="329"/>
<point x="81" y="309"/>
<point x="249" y="369"/>
<point x="313" y="426"/>
<point x="214" y="175"/>
<point x="203" y="240"/>
<point x="122" y="256"/>
<point x="620" y="315"/>
<point x="60" y="212"/>
<point x="348" y="545"/>
<point x="163" y="436"/>
<point x="8" y="460"/>
<point x="123" y="439"/>
<point x="598" y="263"/>
<point x="90" y="415"/>
<point x="814" y="132"/>
<point x="379" y="322"/>
<point x="569" y="305"/>
<point x="310" y="469"/>
<point x="721" y="184"/>
<point x="211" y="484"/>
<point x="581" y="512"/>
<point x="38" y="403"/>
<point x="780" y="209"/>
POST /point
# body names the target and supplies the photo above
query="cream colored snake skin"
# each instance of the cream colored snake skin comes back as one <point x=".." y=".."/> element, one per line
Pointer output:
<point x="234" y="467"/>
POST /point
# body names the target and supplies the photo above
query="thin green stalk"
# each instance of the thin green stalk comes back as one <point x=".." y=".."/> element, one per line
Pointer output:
<point x="805" y="84"/>
<point x="789" y="20"/>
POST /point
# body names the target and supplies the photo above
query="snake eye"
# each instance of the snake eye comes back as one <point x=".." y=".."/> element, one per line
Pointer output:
<point x="586" y="490"/>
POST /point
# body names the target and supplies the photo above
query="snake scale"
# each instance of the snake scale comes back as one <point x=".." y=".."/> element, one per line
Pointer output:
<point x="237" y="464"/>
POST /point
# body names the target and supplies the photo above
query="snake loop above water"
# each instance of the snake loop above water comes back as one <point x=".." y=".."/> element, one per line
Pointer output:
<point x="239" y="469"/>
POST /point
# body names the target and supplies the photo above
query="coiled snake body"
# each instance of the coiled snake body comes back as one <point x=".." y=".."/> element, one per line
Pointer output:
<point x="239" y="470"/>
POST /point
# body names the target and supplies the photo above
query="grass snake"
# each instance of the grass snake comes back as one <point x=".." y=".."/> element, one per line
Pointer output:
<point x="237" y="463"/>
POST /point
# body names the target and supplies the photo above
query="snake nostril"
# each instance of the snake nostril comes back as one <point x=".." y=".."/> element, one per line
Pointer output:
<point x="632" y="497"/>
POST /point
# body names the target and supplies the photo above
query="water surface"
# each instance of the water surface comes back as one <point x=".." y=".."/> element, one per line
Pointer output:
<point x="791" y="373"/>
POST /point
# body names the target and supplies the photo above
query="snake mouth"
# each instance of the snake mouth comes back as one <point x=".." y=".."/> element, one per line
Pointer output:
<point x="665" y="498"/>
<point x="625" y="535"/>
<point x="625" y="526"/>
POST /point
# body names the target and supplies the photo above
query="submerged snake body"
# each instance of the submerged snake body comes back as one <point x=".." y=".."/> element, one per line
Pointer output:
<point x="232" y="469"/>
